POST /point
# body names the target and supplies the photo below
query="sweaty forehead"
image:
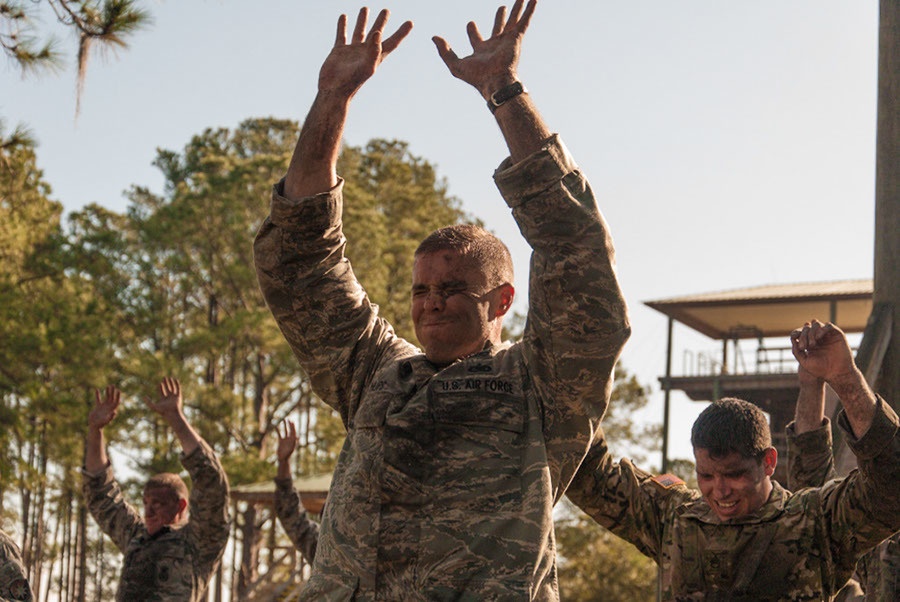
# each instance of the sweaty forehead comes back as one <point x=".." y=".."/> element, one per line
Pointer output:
<point x="447" y="267"/>
<point x="159" y="495"/>
<point x="709" y="463"/>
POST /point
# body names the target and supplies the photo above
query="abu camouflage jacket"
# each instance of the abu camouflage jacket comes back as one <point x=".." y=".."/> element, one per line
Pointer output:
<point x="302" y="531"/>
<point x="445" y="486"/>
<point x="175" y="564"/>
<point x="798" y="546"/>
<point x="811" y="464"/>
<point x="14" y="584"/>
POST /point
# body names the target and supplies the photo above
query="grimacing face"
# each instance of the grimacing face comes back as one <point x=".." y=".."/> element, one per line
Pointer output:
<point x="161" y="508"/>
<point x="735" y="486"/>
<point x="454" y="309"/>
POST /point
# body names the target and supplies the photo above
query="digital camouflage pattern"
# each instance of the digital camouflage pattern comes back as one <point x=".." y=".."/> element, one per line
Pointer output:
<point x="800" y="546"/>
<point x="175" y="564"/>
<point x="303" y="532"/>
<point x="445" y="486"/>
<point x="14" y="584"/>
<point x="811" y="464"/>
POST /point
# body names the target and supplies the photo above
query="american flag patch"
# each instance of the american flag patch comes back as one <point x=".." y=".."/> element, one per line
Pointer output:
<point x="667" y="481"/>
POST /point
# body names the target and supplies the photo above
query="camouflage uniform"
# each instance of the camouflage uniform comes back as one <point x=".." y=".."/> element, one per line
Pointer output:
<point x="800" y="546"/>
<point x="174" y="563"/>
<point x="811" y="464"/>
<point x="13" y="582"/>
<point x="445" y="486"/>
<point x="303" y="532"/>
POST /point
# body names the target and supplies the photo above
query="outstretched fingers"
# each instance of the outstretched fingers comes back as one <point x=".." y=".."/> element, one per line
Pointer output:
<point x="169" y="387"/>
<point x="340" y="38"/>
<point x="475" y="38"/>
<point x="499" y="18"/>
<point x="525" y="19"/>
<point x="445" y="52"/>
<point x="521" y="23"/>
<point x="359" y="32"/>
<point x="388" y="45"/>
<point x="105" y="407"/>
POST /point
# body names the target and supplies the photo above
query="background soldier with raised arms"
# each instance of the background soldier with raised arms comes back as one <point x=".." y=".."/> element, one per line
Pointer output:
<point x="303" y="532"/>
<point x="170" y="553"/>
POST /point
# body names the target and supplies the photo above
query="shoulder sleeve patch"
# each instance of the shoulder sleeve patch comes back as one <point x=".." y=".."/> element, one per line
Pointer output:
<point x="667" y="481"/>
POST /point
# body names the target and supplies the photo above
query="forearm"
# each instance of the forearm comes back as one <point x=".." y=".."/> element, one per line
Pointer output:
<point x="105" y="502"/>
<point x="187" y="436"/>
<point x="303" y="532"/>
<point x="284" y="469"/>
<point x="810" y="410"/>
<point x="313" y="167"/>
<point x="520" y="122"/>
<point x="857" y="399"/>
<point x="95" y="458"/>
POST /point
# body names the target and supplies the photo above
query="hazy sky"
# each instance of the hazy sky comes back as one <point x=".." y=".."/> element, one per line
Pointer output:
<point x="730" y="143"/>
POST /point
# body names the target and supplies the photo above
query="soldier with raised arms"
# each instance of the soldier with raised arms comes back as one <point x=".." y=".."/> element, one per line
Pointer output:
<point x="742" y="536"/>
<point x="811" y="464"/>
<point x="456" y="452"/>
<point x="173" y="550"/>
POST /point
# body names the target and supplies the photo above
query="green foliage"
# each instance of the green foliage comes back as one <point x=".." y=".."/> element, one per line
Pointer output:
<point x="625" y="436"/>
<point x="107" y="23"/>
<point x="595" y="565"/>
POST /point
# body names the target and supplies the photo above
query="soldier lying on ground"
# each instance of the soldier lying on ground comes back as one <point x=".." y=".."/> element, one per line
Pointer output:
<point x="811" y="464"/>
<point x="454" y="456"/>
<point x="14" y="584"/>
<point x="170" y="553"/>
<point x="742" y="536"/>
<point x="303" y="532"/>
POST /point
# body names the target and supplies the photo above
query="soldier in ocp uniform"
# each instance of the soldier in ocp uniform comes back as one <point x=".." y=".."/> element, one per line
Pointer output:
<point x="743" y="537"/>
<point x="456" y="454"/>
<point x="14" y="584"/>
<point x="811" y="464"/>
<point x="172" y="552"/>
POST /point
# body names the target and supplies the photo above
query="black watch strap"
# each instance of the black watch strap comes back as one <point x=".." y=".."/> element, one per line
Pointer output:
<point x="504" y="94"/>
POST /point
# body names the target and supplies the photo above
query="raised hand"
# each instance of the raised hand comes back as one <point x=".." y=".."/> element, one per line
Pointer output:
<point x="170" y="402"/>
<point x="822" y="351"/>
<point x="349" y="65"/>
<point x="493" y="61"/>
<point x="287" y="442"/>
<point x="104" y="410"/>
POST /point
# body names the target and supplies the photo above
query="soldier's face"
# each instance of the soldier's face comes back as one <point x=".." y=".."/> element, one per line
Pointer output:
<point x="734" y="486"/>
<point x="161" y="508"/>
<point x="454" y="310"/>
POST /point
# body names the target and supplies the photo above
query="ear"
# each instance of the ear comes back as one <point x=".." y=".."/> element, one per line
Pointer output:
<point x="504" y="299"/>
<point x="182" y="507"/>
<point x="770" y="460"/>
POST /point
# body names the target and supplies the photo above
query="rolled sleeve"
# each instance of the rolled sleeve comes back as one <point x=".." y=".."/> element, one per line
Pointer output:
<point x="523" y="180"/>
<point x="882" y="433"/>
<point x="810" y="456"/>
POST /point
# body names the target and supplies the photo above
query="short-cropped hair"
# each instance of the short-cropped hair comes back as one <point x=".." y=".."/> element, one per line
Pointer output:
<point x="732" y="425"/>
<point x="168" y="482"/>
<point x="476" y="243"/>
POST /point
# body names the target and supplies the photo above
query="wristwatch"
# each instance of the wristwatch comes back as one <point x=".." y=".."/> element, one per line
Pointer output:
<point x="504" y="94"/>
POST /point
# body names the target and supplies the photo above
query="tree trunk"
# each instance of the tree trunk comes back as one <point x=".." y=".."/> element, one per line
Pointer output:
<point x="251" y="541"/>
